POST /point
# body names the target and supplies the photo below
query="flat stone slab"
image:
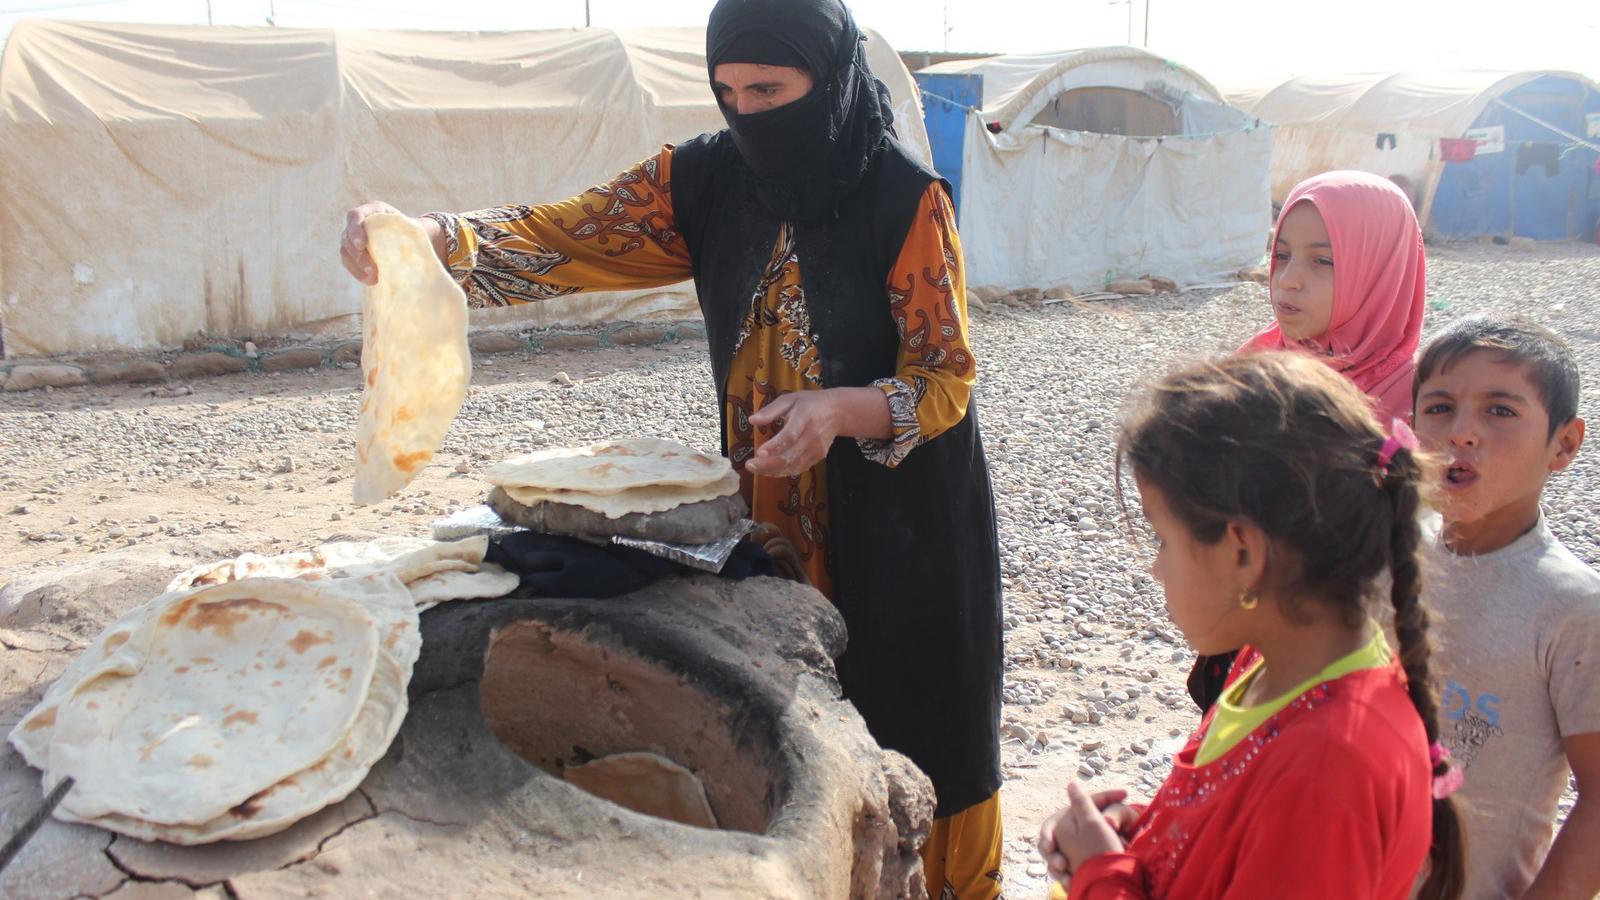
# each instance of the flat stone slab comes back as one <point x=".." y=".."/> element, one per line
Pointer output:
<point x="733" y="680"/>
<point x="691" y="523"/>
<point x="27" y="378"/>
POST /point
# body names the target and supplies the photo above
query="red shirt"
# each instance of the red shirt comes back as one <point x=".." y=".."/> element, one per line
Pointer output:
<point x="1331" y="797"/>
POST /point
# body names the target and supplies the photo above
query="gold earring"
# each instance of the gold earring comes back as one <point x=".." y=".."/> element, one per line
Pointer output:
<point x="1248" y="600"/>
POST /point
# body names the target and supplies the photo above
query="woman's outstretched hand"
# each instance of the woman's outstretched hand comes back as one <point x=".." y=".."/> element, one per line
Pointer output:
<point x="353" y="243"/>
<point x="807" y="423"/>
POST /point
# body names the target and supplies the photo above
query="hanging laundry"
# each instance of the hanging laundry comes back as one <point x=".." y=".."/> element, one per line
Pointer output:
<point x="1531" y="154"/>
<point x="1386" y="138"/>
<point x="1457" y="149"/>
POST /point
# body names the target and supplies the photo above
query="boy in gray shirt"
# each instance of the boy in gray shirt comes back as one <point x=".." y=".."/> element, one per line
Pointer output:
<point x="1517" y="615"/>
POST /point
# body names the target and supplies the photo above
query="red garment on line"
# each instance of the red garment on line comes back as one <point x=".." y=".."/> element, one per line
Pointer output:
<point x="1457" y="149"/>
<point x="1330" y="798"/>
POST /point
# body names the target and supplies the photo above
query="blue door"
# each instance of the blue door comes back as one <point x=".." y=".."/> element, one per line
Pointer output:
<point x="945" y="100"/>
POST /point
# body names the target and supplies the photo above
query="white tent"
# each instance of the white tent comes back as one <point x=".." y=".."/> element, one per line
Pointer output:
<point x="1107" y="163"/>
<point x="157" y="181"/>
<point x="1391" y="124"/>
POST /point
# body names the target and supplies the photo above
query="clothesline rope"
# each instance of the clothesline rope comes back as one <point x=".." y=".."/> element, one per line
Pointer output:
<point x="1538" y="121"/>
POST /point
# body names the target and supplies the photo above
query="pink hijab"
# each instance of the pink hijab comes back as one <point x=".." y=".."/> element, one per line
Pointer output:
<point x="1380" y="279"/>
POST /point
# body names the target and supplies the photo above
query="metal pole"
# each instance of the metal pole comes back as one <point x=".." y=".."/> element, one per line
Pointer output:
<point x="1130" y="16"/>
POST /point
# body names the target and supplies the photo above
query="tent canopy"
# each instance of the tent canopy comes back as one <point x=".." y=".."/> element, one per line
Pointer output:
<point x="1029" y="89"/>
<point x="1439" y="102"/>
<point x="1392" y="123"/>
<point x="157" y="181"/>
<point x="1087" y="165"/>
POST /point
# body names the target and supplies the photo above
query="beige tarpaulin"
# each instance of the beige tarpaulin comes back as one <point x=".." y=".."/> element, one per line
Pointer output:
<point x="159" y="181"/>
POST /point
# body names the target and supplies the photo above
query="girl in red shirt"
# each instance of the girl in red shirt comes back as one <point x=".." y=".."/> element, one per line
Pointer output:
<point x="1277" y="501"/>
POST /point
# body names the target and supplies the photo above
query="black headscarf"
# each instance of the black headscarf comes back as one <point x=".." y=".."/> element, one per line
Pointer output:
<point x="807" y="154"/>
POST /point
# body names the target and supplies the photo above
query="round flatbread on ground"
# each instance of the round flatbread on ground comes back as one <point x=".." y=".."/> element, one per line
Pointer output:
<point x="220" y="693"/>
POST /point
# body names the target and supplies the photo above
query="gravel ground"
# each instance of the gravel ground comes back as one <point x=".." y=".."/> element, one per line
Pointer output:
<point x="1095" y="670"/>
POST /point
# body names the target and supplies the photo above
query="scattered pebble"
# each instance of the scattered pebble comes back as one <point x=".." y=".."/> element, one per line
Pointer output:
<point x="1091" y="654"/>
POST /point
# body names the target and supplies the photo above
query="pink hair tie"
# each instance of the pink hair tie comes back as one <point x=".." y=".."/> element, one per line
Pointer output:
<point x="1450" y="780"/>
<point x="1400" y="437"/>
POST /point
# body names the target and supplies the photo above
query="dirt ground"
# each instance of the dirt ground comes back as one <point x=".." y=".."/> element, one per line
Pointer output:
<point x="103" y="477"/>
<point x="263" y="463"/>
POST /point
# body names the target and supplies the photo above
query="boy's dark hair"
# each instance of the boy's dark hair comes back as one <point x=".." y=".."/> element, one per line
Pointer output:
<point x="1284" y="442"/>
<point x="1549" y="361"/>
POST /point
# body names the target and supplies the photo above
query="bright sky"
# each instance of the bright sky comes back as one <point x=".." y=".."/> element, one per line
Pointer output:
<point x="1226" y="40"/>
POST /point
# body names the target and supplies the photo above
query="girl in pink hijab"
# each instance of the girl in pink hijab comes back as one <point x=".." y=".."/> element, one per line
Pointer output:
<point x="1348" y="281"/>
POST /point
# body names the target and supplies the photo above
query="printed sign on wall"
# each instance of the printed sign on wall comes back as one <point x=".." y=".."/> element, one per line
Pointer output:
<point x="1490" y="140"/>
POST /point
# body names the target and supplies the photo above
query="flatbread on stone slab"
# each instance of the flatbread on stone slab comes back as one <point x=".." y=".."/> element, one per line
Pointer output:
<point x="651" y="499"/>
<point x="611" y="467"/>
<point x="691" y="523"/>
<point x="415" y="361"/>
<point x="218" y="693"/>
<point x="646" y="783"/>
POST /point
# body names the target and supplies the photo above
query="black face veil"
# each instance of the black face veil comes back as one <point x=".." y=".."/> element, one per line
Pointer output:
<point x="808" y="154"/>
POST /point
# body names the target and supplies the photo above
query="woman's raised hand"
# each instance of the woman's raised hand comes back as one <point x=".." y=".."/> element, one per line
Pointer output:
<point x="353" y="243"/>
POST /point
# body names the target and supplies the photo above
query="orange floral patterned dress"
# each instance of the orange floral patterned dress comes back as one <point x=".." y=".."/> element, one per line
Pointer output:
<point x="622" y="235"/>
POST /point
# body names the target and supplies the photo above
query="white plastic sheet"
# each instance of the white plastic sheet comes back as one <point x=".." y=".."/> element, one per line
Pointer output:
<point x="1044" y="208"/>
<point x="1075" y="209"/>
<point x="158" y="181"/>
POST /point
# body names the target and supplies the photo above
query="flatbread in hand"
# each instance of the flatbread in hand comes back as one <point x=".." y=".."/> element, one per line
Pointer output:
<point x="414" y="358"/>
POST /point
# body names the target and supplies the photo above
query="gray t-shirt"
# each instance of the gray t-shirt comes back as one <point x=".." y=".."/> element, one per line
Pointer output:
<point x="1517" y="661"/>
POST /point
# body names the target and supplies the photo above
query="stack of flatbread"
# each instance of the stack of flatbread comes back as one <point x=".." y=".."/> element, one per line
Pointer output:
<point x="415" y="360"/>
<point x="646" y="488"/>
<point x="236" y="704"/>
<point x="432" y="571"/>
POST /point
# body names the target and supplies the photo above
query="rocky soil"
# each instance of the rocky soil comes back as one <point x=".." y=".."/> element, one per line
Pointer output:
<point x="262" y="462"/>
